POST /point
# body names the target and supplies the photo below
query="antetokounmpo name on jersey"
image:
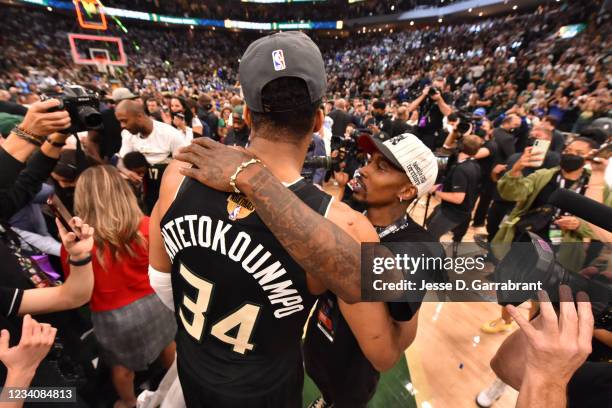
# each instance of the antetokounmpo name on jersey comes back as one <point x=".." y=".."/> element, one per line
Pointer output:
<point x="197" y="231"/>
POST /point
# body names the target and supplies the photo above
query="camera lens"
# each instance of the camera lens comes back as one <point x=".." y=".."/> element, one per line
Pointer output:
<point x="90" y="117"/>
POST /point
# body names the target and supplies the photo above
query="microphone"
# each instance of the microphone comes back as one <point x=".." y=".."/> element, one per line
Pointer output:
<point x="583" y="207"/>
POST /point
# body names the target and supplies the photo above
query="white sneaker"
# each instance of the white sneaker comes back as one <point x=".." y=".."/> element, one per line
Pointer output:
<point x="320" y="403"/>
<point x="487" y="397"/>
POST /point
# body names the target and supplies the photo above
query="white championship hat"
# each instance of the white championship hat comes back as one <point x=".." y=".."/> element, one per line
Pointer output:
<point x="406" y="152"/>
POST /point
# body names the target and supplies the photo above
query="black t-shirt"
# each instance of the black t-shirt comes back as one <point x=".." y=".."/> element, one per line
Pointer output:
<point x="464" y="177"/>
<point x="399" y="127"/>
<point x="110" y="142"/>
<point x="486" y="163"/>
<point x="339" y="368"/>
<point x="505" y="145"/>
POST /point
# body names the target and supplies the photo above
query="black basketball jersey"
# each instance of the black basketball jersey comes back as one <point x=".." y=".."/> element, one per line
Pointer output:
<point x="152" y="184"/>
<point x="241" y="301"/>
<point x="333" y="358"/>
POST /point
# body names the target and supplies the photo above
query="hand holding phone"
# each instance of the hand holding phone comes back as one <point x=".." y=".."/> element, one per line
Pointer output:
<point x="62" y="213"/>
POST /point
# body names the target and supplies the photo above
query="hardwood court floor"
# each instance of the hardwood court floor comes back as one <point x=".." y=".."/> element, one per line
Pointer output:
<point x="449" y="359"/>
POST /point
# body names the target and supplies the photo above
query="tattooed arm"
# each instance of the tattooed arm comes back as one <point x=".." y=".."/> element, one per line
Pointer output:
<point x="327" y="249"/>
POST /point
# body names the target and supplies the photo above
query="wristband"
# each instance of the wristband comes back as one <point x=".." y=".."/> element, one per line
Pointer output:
<point x="28" y="137"/>
<point x="54" y="143"/>
<point x="81" y="262"/>
<point x="243" y="166"/>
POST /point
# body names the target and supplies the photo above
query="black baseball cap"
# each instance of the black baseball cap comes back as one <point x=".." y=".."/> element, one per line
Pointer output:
<point x="284" y="54"/>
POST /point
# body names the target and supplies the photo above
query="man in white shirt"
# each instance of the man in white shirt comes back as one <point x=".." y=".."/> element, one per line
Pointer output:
<point x="157" y="141"/>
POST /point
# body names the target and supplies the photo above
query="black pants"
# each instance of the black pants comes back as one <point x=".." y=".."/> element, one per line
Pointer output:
<point x="486" y="194"/>
<point x="495" y="215"/>
<point x="440" y="222"/>
<point x="287" y="394"/>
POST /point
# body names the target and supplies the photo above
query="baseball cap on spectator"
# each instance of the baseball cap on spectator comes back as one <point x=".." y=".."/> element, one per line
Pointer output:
<point x="237" y="112"/>
<point x="408" y="153"/>
<point x="66" y="166"/>
<point x="284" y="54"/>
<point x="121" y="94"/>
<point x="480" y="112"/>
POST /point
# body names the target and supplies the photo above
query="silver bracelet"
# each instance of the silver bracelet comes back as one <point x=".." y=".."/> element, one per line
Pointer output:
<point x="243" y="166"/>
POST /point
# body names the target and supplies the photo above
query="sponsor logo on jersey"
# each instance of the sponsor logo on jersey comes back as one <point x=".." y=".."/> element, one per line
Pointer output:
<point x="278" y="57"/>
<point x="239" y="207"/>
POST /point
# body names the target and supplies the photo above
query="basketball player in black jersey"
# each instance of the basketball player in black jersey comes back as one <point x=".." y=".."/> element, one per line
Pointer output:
<point x="242" y="281"/>
<point x="347" y="346"/>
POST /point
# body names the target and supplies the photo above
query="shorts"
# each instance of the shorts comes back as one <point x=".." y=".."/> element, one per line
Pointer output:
<point x="286" y="395"/>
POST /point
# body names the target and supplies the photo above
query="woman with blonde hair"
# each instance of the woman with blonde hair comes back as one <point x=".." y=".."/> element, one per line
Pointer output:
<point x="131" y="324"/>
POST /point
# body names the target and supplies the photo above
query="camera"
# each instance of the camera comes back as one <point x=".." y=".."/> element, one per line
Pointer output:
<point x="320" y="162"/>
<point x="466" y="120"/>
<point x="81" y="104"/>
<point x="535" y="261"/>
<point x="433" y="91"/>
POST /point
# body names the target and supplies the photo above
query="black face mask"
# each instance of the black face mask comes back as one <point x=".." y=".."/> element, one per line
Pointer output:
<point x="571" y="162"/>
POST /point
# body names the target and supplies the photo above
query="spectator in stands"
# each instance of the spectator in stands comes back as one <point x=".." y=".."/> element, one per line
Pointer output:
<point x="238" y="135"/>
<point x="180" y="105"/>
<point x="558" y="140"/>
<point x="207" y="114"/>
<point x="131" y="324"/>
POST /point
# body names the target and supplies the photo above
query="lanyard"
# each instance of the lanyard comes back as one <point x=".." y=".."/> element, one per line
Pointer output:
<point x="579" y="186"/>
<point x="398" y="225"/>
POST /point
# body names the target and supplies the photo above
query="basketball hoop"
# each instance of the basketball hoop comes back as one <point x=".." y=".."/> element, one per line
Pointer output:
<point x="101" y="64"/>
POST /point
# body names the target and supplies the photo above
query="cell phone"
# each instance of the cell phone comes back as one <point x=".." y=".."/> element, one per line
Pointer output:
<point x="540" y="147"/>
<point x="61" y="212"/>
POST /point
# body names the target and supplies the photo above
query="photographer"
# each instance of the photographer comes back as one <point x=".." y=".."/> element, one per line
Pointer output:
<point x="433" y="106"/>
<point x="545" y="359"/>
<point x="18" y="182"/>
<point x="457" y="193"/>
<point x="381" y="124"/>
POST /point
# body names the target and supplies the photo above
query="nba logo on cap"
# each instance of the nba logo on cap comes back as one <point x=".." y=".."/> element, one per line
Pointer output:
<point x="279" y="60"/>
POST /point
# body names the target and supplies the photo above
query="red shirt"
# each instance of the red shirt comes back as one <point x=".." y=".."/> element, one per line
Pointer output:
<point x="122" y="281"/>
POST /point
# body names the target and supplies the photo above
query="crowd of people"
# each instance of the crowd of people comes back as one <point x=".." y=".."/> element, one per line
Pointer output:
<point x="487" y="119"/>
<point x="316" y="10"/>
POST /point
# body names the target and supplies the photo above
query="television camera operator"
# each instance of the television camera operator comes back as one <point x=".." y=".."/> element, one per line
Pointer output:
<point x="433" y="106"/>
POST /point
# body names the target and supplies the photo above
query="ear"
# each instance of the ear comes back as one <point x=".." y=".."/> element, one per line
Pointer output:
<point x="318" y="122"/>
<point x="246" y="114"/>
<point x="408" y="192"/>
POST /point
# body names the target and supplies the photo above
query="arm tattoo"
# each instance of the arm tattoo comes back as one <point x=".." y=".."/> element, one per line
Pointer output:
<point x="319" y="246"/>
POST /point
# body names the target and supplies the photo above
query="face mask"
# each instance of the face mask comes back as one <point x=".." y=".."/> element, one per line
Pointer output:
<point x="571" y="162"/>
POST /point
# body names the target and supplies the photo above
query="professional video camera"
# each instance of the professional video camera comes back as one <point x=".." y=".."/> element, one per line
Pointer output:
<point x="534" y="261"/>
<point x="81" y="104"/>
